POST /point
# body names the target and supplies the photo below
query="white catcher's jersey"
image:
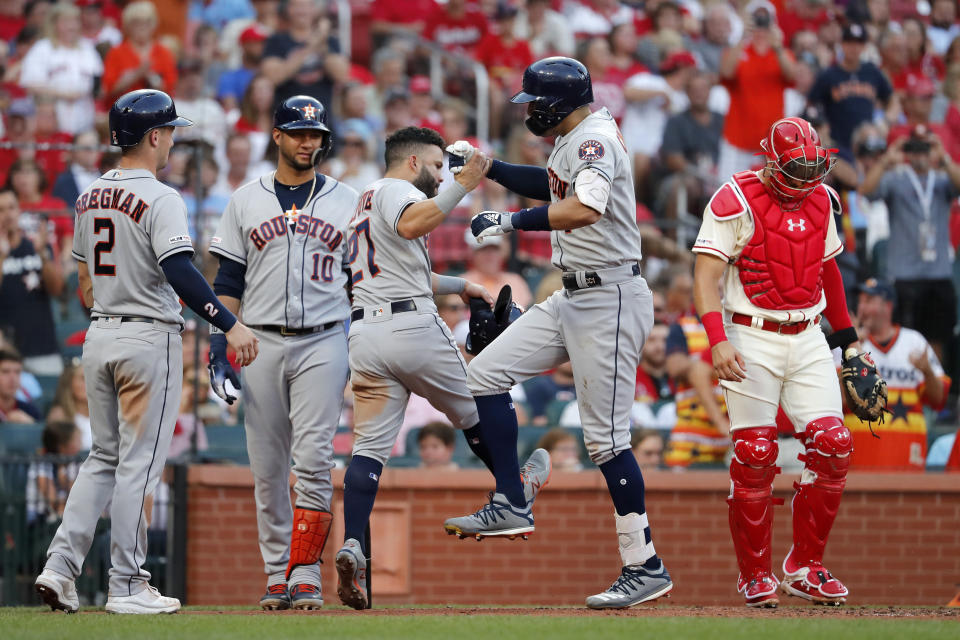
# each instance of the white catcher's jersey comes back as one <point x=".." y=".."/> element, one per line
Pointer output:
<point x="385" y="265"/>
<point x="294" y="259"/>
<point x="613" y="240"/>
<point x="727" y="238"/>
<point x="127" y="222"/>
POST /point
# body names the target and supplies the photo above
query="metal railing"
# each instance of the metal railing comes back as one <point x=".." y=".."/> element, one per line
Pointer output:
<point x="28" y="524"/>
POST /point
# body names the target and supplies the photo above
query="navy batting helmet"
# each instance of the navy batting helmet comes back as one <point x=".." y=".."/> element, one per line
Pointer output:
<point x="486" y="323"/>
<point x="303" y="112"/>
<point x="556" y="87"/>
<point x="137" y="112"/>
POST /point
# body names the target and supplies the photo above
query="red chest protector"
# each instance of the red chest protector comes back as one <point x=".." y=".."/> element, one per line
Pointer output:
<point x="781" y="266"/>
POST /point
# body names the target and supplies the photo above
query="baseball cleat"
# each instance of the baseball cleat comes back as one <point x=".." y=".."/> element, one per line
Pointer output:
<point x="147" y="601"/>
<point x="496" y="518"/>
<point x="352" y="575"/>
<point x="535" y="474"/>
<point x="305" y="597"/>
<point x="277" y="598"/>
<point x="812" y="582"/>
<point x="760" y="591"/>
<point x="633" y="586"/>
<point x="58" y="591"/>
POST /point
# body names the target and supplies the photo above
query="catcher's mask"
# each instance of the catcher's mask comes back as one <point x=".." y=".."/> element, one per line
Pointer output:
<point x="796" y="161"/>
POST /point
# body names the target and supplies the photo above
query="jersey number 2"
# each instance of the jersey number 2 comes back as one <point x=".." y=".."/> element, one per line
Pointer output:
<point x="102" y="247"/>
<point x="354" y="248"/>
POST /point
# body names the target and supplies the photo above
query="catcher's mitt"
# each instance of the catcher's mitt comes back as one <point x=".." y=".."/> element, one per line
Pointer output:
<point x="865" y="390"/>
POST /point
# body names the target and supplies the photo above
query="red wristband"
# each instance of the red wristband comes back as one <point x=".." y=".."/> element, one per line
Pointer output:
<point x="713" y="323"/>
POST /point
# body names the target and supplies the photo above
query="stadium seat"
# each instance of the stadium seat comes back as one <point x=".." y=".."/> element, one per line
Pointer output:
<point x="20" y="439"/>
<point x="226" y="443"/>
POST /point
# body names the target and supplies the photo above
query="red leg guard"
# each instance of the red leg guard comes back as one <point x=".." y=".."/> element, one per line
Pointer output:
<point x="310" y="530"/>
<point x="828" y="446"/>
<point x="751" y="511"/>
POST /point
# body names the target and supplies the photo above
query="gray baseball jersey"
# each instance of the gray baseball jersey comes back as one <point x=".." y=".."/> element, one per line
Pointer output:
<point x="386" y="266"/>
<point x="394" y="354"/>
<point x="126" y="223"/>
<point x="601" y="327"/>
<point x="294" y="259"/>
<point x="595" y="144"/>
<point x="293" y="391"/>
<point x="129" y="218"/>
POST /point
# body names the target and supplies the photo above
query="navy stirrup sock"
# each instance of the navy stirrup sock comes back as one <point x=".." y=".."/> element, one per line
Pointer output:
<point x="498" y="424"/>
<point x="360" y="485"/>
<point x="475" y="441"/>
<point x="625" y="483"/>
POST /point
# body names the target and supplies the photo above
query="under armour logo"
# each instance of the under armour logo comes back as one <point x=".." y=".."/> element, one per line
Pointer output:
<point x="791" y="224"/>
<point x="309" y="111"/>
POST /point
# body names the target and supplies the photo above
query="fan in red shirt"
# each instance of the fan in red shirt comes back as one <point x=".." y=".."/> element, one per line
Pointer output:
<point x="139" y="62"/>
<point x="504" y="56"/>
<point x="920" y="61"/>
<point x="917" y="104"/>
<point x="623" y="45"/>
<point x="456" y="28"/>
<point x="422" y="104"/>
<point x="391" y="16"/>
<point x="802" y="15"/>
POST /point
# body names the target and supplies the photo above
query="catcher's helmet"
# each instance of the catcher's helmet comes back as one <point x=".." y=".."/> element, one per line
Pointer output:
<point x="486" y="323"/>
<point x="137" y="112"/>
<point x="556" y="87"/>
<point x="798" y="163"/>
<point x="303" y="112"/>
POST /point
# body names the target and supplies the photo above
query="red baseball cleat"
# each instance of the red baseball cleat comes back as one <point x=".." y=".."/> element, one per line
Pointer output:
<point x="759" y="591"/>
<point x="812" y="582"/>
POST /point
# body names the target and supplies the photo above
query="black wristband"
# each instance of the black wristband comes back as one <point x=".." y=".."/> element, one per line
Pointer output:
<point x="842" y="338"/>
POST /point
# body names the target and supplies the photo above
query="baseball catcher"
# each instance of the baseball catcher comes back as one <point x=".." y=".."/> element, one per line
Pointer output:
<point x="770" y="236"/>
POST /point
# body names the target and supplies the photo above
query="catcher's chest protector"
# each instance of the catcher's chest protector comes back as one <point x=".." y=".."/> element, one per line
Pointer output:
<point x="781" y="266"/>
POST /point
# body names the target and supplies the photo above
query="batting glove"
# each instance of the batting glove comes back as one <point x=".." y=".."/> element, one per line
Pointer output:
<point x="490" y="223"/>
<point x="220" y="369"/>
<point x="460" y="153"/>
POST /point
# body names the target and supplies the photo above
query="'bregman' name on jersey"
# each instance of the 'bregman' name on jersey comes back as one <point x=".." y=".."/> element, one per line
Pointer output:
<point x="116" y="198"/>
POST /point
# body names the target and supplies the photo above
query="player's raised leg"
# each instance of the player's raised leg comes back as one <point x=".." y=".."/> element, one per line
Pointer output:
<point x="528" y="347"/>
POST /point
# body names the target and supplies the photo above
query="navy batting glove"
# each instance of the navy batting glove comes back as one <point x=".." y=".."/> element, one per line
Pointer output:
<point x="220" y="369"/>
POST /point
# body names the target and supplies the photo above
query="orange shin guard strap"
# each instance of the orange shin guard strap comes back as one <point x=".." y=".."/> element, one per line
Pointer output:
<point x="310" y="530"/>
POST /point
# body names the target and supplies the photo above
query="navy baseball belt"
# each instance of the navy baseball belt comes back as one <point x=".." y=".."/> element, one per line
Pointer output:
<point x="294" y="331"/>
<point x="398" y="306"/>
<point x="574" y="280"/>
<point x="782" y="328"/>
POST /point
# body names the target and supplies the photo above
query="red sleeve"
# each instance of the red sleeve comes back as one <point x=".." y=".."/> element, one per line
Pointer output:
<point x="166" y="66"/>
<point x="836" y="312"/>
<point x="113" y="67"/>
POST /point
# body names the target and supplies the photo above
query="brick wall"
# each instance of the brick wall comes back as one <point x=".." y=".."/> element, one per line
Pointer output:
<point x="896" y="540"/>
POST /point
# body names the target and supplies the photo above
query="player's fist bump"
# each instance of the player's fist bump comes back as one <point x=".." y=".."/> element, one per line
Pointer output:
<point x="460" y="152"/>
<point x="474" y="170"/>
<point x="244" y="343"/>
<point x="490" y="223"/>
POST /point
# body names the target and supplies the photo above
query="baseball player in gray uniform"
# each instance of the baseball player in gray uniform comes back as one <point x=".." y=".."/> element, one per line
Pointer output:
<point x="134" y="252"/>
<point x="598" y="321"/>
<point x="398" y="343"/>
<point x="282" y="244"/>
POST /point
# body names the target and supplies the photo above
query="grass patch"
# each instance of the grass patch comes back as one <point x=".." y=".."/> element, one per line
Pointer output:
<point x="36" y="624"/>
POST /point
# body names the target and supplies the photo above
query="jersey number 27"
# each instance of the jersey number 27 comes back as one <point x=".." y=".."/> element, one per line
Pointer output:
<point x="363" y="227"/>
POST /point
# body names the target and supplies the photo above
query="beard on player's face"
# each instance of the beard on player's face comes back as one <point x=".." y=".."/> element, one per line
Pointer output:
<point x="290" y="157"/>
<point x="426" y="182"/>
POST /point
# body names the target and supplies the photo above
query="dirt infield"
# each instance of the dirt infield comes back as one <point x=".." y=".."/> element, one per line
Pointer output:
<point x="655" y="611"/>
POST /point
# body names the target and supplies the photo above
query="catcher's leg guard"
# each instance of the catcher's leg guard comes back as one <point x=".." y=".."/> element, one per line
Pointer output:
<point x="310" y="530"/>
<point x="828" y="446"/>
<point x="751" y="512"/>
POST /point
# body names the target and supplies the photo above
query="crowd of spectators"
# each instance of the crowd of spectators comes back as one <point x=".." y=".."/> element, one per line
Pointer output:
<point x="694" y="86"/>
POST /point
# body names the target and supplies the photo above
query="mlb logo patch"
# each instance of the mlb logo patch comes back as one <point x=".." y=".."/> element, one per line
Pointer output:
<point x="591" y="150"/>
